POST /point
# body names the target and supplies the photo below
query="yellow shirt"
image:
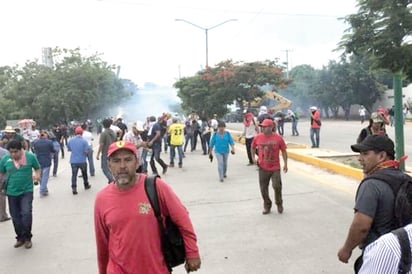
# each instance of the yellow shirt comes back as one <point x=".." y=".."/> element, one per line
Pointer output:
<point x="176" y="132"/>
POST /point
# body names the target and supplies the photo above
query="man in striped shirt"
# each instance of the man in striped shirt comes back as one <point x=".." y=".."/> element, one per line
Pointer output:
<point x="383" y="255"/>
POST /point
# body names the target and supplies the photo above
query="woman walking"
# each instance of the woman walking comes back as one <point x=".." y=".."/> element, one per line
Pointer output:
<point x="220" y="142"/>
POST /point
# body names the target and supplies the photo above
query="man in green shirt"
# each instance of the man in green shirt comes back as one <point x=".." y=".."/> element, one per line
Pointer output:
<point x="18" y="167"/>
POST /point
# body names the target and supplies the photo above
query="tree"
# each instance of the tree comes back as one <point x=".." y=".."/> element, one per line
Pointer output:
<point x="211" y="90"/>
<point x="77" y="87"/>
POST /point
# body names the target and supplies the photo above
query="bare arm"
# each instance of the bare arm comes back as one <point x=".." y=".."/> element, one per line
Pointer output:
<point x="358" y="231"/>
<point x="285" y="160"/>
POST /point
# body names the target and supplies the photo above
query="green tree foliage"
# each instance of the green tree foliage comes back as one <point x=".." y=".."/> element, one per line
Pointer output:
<point x="211" y="90"/>
<point x="76" y="88"/>
<point x="382" y="29"/>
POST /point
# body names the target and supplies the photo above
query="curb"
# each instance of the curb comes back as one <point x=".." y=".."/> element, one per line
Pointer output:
<point x="293" y="153"/>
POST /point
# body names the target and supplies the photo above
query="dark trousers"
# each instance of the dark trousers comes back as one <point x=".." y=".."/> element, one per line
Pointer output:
<point x="205" y="142"/>
<point x="248" y="143"/>
<point x="157" y="149"/>
<point x="21" y="211"/>
<point x="264" y="180"/>
<point x="75" y="170"/>
<point x="55" y="163"/>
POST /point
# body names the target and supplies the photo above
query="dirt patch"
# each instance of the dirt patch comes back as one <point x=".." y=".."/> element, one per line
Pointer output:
<point x="346" y="160"/>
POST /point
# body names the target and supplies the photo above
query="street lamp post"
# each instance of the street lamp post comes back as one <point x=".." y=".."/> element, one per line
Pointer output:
<point x="206" y="33"/>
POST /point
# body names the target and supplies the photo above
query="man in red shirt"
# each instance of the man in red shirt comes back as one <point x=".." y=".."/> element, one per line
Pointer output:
<point x="268" y="144"/>
<point x="314" y="126"/>
<point x="127" y="231"/>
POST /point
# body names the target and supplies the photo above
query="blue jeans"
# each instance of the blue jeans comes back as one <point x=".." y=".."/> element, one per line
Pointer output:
<point x="188" y="138"/>
<point x="75" y="170"/>
<point x="91" y="162"/>
<point x="314" y="136"/>
<point x="45" y="173"/>
<point x="173" y="154"/>
<point x="221" y="164"/>
<point x="55" y="163"/>
<point x="105" y="169"/>
<point x="21" y="211"/>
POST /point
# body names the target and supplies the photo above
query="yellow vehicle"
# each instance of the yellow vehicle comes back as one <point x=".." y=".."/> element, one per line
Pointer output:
<point x="272" y="100"/>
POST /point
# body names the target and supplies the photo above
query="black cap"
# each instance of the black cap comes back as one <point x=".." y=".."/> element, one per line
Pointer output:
<point x="375" y="142"/>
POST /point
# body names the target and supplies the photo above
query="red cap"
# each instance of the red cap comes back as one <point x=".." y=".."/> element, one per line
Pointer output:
<point x="78" y="131"/>
<point x="267" y="123"/>
<point x="121" y="145"/>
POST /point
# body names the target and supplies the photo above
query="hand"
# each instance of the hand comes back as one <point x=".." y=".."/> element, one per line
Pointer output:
<point x="232" y="151"/>
<point x="344" y="255"/>
<point x="192" y="264"/>
<point x="285" y="168"/>
<point x="97" y="157"/>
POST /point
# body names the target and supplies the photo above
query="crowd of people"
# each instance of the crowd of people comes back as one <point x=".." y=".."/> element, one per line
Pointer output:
<point x="130" y="153"/>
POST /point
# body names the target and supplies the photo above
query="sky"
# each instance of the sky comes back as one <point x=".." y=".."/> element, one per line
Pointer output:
<point x="145" y="40"/>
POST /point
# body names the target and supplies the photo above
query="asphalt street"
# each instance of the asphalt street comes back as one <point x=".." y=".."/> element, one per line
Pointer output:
<point x="233" y="236"/>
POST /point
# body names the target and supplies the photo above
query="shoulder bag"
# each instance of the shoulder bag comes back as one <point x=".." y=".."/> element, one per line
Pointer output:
<point x="173" y="247"/>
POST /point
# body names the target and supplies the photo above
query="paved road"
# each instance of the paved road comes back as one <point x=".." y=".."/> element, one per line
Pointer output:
<point x="234" y="237"/>
<point x="338" y="135"/>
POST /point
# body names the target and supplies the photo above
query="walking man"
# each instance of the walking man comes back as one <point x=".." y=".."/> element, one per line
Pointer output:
<point x="268" y="144"/>
<point x="79" y="149"/>
<point x="315" y="124"/>
<point x="375" y="200"/>
<point x="250" y="129"/>
<point x="18" y="167"/>
<point x="123" y="214"/>
<point x="155" y="142"/>
<point x="88" y="136"/>
<point x="176" y="132"/>
<point x="107" y="137"/>
<point x="44" y="150"/>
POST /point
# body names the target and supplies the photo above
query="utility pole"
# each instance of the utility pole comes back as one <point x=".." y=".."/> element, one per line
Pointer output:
<point x="287" y="61"/>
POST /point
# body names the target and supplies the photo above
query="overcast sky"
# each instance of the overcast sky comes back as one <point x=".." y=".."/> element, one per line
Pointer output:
<point x="143" y="37"/>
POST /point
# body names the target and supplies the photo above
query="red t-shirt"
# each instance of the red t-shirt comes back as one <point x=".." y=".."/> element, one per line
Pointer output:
<point x="268" y="150"/>
<point x="127" y="232"/>
<point x="316" y="116"/>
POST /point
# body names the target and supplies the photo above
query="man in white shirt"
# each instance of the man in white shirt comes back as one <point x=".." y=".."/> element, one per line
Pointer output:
<point x="214" y="122"/>
<point x="383" y="255"/>
<point x="88" y="136"/>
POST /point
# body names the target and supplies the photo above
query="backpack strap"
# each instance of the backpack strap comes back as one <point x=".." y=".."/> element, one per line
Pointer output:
<point x="405" y="260"/>
<point x="151" y="192"/>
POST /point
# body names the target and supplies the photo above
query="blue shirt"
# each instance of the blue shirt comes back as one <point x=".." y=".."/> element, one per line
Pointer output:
<point x="221" y="143"/>
<point x="43" y="148"/>
<point x="78" y="147"/>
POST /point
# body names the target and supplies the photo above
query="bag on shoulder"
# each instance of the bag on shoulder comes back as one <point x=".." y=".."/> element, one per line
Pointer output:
<point x="318" y="122"/>
<point x="405" y="260"/>
<point x="402" y="190"/>
<point x="173" y="247"/>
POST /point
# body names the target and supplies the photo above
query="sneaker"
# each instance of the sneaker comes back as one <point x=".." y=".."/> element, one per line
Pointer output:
<point x="44" y="194"/>
<point x="164" y="170"/>
<point x="224" y="176"/>
<point x="250" y="164"/>
<point x="28" y="244"/>
<point x="280" y="209"/>
<point x="221" y="180"/>
<point x="18" y="244"/>
<point x="180" y="165"/>
<point x="88" y="186"/>
<point x="172" y="165"/>
<point x="74" y="191"/>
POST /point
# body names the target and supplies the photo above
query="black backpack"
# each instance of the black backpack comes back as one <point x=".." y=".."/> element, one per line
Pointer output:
<point x="402" y="190"/>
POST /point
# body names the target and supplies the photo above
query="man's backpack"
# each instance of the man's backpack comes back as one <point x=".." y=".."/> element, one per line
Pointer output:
<point x="405" y="260"/>
<point x="402" y="189"/>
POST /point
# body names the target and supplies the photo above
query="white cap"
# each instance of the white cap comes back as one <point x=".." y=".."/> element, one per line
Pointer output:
<point x="313" y="108"/>
<point x="139" y="126"/>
